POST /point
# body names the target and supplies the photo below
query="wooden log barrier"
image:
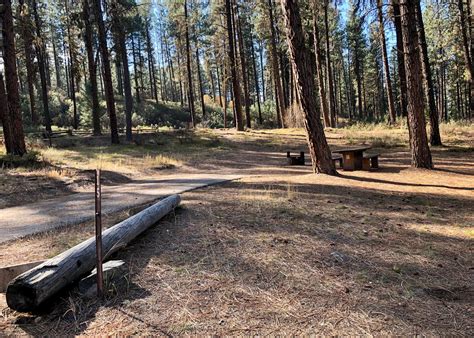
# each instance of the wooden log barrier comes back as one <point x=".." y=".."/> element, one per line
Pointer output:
<point x="31" y="289"/>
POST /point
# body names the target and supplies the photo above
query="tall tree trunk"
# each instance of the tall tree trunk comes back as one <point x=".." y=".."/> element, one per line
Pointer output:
<point x="5" y="117"/>
<point x="171" y="71"/>
<point x="466" y="48"/>
<point x="28" y="48"/>
<point x="123" y="55"/>
<point x="135" y="71"/>
<point x="319" y="71"/>
<point x="262" y="72"/>
<point x="275" y="68"/>
<point x="301" y="60"/>
<point x="218" y="78"/>
<point x="244" y="65"/>
<point x="118" y="75"/>
<point x="164" y="87"/>
<point x="40" y="54"/>
<point x="257" y="85"/>
<point x="17" y="136"/>
<point x="188" y="67"/>
<point x="331" y="97"/>
<point x="237" y="100"/>
<point x="92" y="67"/>
<point x="201" y="90"/>
<point x="400" y="57"/>
<point x="421" y="154"/>
<point x="109" y="91"/>
<point x="386" y="69"/>
<point x="181" y="94"/>
<point x="141" y="64"/>
<point x="151" y="63"/>
<point x="75" y="121"/>
<point x="57" y="66"/>
<point x="435" y="136"/>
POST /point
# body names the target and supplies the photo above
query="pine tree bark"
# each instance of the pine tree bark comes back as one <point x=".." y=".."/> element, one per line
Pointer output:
<point x="386" y="68"/>
<point x="57" y="67"/>
<point x="244" y="65"/>
<point x="435" y="136"/>
<point x="237" y="96"/>
<point x="201" y="89"/>
<point x="331" y="97"/>
<point x="5" y="117"/>
<point x="188" y="68"/>
<point x="257" y="85"/>
<point x="107" y="74"/>
<point x="300" y="57"/>
<point x="135" y="71"/>
<point x="40" y="54"/>
<point x="421" y="154"/>
<point x="123" y="55"/>
<point x="73" y="67"/>
<point x="262" y="72"/>
<point x="319" y="73"/>
<point x="92" y="67"/>
<point x="276" y="69"/>
<point x="400" y="57"/>
<point x="17" y="136"/>
<point x="28" y="49"/>
<point x="467" y="52"/>
<point x="151" y="63"/>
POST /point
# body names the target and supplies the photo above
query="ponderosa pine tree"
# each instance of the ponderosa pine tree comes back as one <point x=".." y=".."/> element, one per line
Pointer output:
<point x="435" y="136"/>
<point x="92" y="68"/>
<point x="40" y="49"/>
<point x="329" y="72"/>
<point x="420" y="151"/>
<point x="280" y="97"/>
<point x="319" y="66"/>
<point x="301" y="60"/>
<point x="468" y="46"/>
<point x="118" y="27"/>
<point x="188" y="67"/>
<point x="5" y="117"/>
<point x="400" y="57"/>
<point x="108" y="85"/>
<point x="386" y="69"/>
<point x="14" y="120"/>
<point x="26" y="30"/>
<point x="233" y="67"/>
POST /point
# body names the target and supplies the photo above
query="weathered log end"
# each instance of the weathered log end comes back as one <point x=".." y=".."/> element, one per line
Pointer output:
<point x="26" y="299"/>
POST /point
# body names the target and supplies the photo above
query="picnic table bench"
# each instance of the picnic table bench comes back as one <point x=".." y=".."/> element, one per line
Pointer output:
<point x="370" y="161"/>
<point x="354" y="158"/>
<point x="349" y="159"/>
<point x="295" y="160"/>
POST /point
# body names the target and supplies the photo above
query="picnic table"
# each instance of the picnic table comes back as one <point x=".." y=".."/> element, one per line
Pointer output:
<point x="352" y="157"/>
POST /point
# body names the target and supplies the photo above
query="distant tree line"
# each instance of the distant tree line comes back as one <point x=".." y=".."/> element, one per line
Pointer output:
<point x="94" y="63"/>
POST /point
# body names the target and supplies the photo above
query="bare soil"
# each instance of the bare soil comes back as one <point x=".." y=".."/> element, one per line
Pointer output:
<point x="287" y="252"/>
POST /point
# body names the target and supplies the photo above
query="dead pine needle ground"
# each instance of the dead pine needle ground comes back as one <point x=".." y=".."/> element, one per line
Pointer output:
<point x="285" y="252"/>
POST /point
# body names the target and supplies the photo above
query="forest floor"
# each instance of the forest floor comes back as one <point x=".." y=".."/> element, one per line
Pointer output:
<point x="280" y="250"/>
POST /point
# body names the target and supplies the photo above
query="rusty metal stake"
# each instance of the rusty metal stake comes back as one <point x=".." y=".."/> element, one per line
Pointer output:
<point x="98" y="233"/>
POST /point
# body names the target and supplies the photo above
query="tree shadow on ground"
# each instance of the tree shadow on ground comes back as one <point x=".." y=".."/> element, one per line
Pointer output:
<point x="345" y="255"/>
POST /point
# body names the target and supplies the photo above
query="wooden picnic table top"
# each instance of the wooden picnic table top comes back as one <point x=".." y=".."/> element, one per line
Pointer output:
<point x="353" y="149"/>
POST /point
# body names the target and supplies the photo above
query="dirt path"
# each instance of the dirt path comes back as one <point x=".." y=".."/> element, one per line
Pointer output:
<point x="73" y="209"/>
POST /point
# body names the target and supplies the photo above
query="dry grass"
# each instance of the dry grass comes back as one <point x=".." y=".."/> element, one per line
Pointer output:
<point x="290" y="255"/>
<point x="366" y="253"/>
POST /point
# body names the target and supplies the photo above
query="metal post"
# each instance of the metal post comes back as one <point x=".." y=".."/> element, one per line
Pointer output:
<point x="98" y="233"/>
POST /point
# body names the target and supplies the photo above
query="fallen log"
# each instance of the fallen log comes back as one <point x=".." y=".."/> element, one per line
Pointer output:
<point x="31" y="289"/>
<point x="8" y="273"/>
